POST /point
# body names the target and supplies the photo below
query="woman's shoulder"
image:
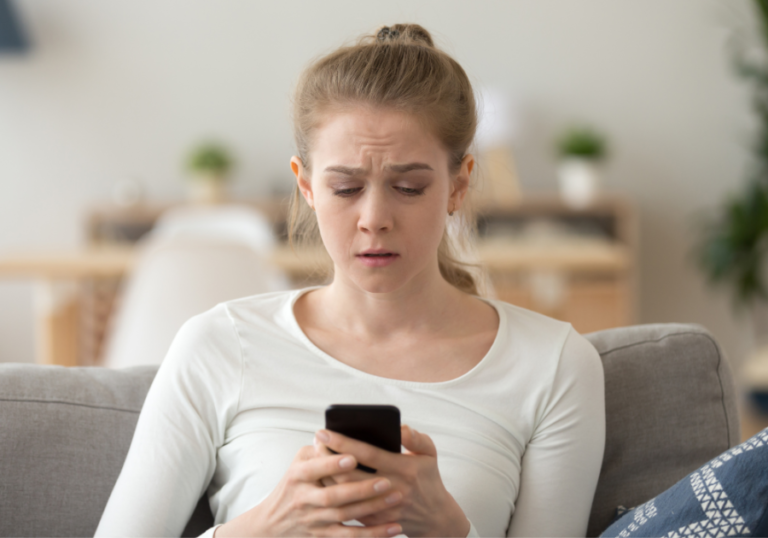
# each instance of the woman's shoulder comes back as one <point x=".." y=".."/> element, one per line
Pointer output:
<point x="256" y="317"/>
<point x="538" y="335"/>
<point x="227" y="313"/>
<point x="523" y="321"/>
<point x="265" y="312"/>
<point x="222" y="325"/>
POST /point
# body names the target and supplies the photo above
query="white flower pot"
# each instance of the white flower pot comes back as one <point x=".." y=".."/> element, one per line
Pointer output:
<point x="579" y="182"/>
<point x="207" y="190"/>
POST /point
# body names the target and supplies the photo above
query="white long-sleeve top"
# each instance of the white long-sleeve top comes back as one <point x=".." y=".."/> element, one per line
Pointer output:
<point x="519" y="437"/>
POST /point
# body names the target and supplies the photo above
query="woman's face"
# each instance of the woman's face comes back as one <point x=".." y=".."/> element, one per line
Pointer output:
<point x="381" y="189"/>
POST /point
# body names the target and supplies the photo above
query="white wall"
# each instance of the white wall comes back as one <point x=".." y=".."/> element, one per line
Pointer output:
<point x="121" y="89"/>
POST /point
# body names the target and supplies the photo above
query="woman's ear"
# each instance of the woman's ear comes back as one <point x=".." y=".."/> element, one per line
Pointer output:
<point x="302" y="180"/>
<point x="460" y="184"/>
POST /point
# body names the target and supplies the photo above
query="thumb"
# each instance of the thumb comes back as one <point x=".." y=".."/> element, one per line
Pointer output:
<point x="416" y="442"/>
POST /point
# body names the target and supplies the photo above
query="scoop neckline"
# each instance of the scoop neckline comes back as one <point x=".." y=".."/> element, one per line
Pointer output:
<point x="488" y="357"/>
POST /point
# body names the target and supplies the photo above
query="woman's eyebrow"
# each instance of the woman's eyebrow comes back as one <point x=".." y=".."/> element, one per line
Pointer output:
<point x="346" y="170"/>
<point x="399" y="168"/>
<point x="403" y="168"/>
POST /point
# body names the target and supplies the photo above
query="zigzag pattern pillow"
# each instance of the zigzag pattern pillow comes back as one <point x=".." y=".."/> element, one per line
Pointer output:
<point x="726" y="497"/>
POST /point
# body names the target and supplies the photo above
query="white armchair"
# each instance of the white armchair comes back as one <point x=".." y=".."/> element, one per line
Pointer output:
<point x="195" y="258"/>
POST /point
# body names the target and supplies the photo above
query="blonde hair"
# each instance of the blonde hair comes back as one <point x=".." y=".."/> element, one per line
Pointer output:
<point x="398" y="68"/>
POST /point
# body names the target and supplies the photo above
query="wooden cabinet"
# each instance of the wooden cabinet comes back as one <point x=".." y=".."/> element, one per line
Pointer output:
<point x="577" y="265"/>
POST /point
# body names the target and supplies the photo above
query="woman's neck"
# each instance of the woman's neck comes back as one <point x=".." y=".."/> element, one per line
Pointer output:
<point x="423" y="305"/>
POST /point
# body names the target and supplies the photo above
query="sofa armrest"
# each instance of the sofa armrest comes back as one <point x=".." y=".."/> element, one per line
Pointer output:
<point x="670" y="407"/>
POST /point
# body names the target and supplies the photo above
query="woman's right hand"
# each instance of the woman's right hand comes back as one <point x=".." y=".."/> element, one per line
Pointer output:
<point x="301" y="506"/>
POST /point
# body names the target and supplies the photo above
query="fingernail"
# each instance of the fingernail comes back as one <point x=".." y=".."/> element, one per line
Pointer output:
<point x="394" y="529"/>
<point x="347" y="462"/>
<point x="382" y="485"/>
<point x="323" y="436"/>
<point x="396" y="496"/>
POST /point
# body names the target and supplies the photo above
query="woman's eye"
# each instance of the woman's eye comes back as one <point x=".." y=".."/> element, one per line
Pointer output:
<point x="408" y="191"/>
<point x="346" y="192"/>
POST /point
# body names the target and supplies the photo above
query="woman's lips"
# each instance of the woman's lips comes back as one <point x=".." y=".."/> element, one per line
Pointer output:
<point x="377" y="258"/>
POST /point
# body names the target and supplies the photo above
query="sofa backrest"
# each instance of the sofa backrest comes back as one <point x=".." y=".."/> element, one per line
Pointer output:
<point x="64" y="432"/>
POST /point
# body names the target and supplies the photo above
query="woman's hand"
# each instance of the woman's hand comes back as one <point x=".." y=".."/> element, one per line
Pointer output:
<point x="301" y="506"/>
<point x="427" y="509"/>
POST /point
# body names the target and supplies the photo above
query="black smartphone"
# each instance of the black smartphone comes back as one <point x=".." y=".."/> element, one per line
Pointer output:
<point x="377" y="425"/>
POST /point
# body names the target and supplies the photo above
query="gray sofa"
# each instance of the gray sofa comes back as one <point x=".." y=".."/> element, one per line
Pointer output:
<point x="64" y="432"/>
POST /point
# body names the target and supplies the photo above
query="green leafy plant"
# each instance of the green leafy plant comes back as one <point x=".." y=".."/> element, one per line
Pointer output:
<point x="734" y="239"/>
<point x="734" y="243"/>
<point x="582" y="142"/>
<point x="210" y="160"/>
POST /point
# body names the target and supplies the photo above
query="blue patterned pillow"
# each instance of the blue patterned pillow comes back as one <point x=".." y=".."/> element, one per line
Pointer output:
<point x="726" y="497"/>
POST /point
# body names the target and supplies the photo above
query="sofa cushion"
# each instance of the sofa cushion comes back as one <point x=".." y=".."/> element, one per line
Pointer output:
<point x="64" y="433"/>
<point x="670" y="407"/>
<point x="726" y="497"/>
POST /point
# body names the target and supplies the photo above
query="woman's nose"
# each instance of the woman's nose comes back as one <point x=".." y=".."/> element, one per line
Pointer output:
<point x="375" y="214"/>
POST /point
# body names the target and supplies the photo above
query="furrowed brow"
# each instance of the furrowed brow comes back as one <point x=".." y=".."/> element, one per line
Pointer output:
<point x="403" y="168"/>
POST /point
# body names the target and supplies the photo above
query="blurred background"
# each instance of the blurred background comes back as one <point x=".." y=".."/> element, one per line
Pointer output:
<point x="113" y="114"/>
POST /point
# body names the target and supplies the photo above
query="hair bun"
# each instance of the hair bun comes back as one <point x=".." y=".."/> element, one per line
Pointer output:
<point x="405" y="33"/>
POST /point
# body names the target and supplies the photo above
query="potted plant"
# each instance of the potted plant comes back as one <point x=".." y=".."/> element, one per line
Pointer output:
<point x="733" y="240"/>
<point x="210" y="164"/>
<point x="581" y="150"/>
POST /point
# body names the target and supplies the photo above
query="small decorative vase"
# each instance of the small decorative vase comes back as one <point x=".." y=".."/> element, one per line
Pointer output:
<point x="579" y="181"/>
<point x="207" y="189"/>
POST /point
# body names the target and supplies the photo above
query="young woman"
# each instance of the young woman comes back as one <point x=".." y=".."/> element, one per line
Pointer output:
<point x="503" y="407"/>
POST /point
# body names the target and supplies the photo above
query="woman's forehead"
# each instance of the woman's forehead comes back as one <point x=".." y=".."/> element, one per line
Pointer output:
<point x="359" y="135"/>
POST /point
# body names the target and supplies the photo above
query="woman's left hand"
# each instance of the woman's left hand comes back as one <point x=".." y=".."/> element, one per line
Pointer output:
<point x="427" y="509"/>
